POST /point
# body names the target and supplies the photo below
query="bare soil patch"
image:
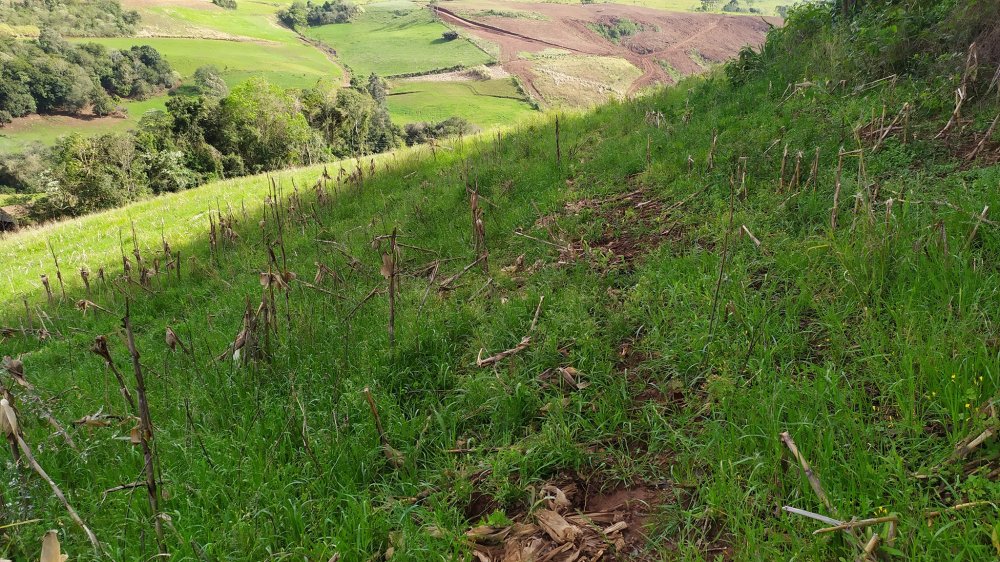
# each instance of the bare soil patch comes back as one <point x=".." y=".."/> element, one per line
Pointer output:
<point x="634" y="224"/>
<point x="668" y="36"/>
<point x="492" y="72"/>
<point x="580" y="519"/>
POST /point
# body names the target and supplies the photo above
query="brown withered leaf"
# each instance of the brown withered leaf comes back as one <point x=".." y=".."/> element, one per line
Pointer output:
<point x="16" y="369"/>
<point x="8" y="419"/>
<point x="388" y="265"/>
<point x="556" y="527"/>
<point x="51" y="552"/>
<point x="556" y="498"/>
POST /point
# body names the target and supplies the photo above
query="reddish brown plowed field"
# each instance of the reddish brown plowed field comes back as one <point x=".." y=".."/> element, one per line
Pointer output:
<point x="671" y="36"/>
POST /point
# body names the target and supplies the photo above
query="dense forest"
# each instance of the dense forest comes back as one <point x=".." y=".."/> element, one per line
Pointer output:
<point x="51" y="75"/>
<point x="210" y="135"/>
<point x="301" y="14"/>
<point x="71" y="18"/>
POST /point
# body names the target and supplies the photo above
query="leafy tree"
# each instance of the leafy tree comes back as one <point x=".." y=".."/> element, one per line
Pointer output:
<point x="377" y="88"/>
<point x="262" y="124"/>
<point x="295" y="16"/>
<point x="72" y="18"/>
<point x="419" y="133"/>
<point x="209" y="82"/>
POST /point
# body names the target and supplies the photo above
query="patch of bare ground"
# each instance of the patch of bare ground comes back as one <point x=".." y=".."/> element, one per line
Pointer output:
<point x="632" y="225"/>
<point x="669" y="36"/>
<point x="579" y="519"/>
<point x="492" y="72"/>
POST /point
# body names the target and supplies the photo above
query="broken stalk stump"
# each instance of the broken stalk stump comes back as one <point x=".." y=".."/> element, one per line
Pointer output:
<point x="394" y="456"/>
<point x="145" y="432"/>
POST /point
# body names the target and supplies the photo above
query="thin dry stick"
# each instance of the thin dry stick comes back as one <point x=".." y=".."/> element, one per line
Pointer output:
<point x="363" y="301"/>
<point x="394" y="456"/>
<point x="538" y="312"/>
<point x="811" y="515"/>
<point x="982" y="142"/>
<point x="558" y="145"/>
<point x="813" y="479"/>
<point x="55" y="259"/>
<point x="722" y="267"/>
<point x="957" y="507"/>
<point x="814" y="171"/>
<point x="975" y="229"/>
<point x="446" y="284"/>
<point x="529" y="237"/>
<point x="798" y="169"/>
<point x="430" y="283"/>
<point x="393" y="254"/>
<point x="869" y="548"/>
<point x="480" y="362"/>
<point x="956" y="114"/>
<point x="145" y="431"/>
<point x="11" y="429"/>
<point x="753" y="238"/>
<point x="858" y="524"/>
<point x="836" y="190"/>
<point x="781" y="178"/>
<point x="711" y="151"/>
<point x="46" y="415"/>
<point x="58" y="493"/>
<point x="100" y="347"/>
<point x="968" y="445"/>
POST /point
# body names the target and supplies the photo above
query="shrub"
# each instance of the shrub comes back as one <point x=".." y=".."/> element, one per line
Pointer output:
<point x="449" y="35"/>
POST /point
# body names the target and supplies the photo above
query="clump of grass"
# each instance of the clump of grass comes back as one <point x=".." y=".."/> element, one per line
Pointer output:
<point x="615" y="29"/>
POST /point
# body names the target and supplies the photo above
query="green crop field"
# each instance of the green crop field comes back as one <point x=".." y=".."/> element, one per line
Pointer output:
<point x="396" y="38"/>
<point x="486" y="103"/>
<point x="648" y="309"/>
<point x="291" y="65"/>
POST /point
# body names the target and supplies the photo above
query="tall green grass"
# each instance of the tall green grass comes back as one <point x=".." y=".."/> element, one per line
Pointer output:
<point x="874" y="344"/>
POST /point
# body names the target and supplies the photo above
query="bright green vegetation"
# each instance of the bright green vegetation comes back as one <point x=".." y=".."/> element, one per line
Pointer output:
<point x="67" y="17"/>
<point x="396" y="38"/>
<point x="672" y="72"/>
<point x="264" y="49"/>
<point x="290" y="65"/>
<point x="615" y="29"/>
<point x="872" y="342"/>
<point x="45" y="129"/>
<point x="485" y="103"/>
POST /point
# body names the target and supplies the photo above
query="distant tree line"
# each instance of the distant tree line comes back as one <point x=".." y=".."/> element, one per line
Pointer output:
<point x="735" y="6"/>
<point x="301" y="14"/>
<point x="72" y="18"/>
<point x="211" y="135"/>
<point x="51" y="75"/>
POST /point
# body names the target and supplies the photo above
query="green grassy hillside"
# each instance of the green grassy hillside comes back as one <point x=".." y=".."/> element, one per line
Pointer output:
<point x="698" y="302"/>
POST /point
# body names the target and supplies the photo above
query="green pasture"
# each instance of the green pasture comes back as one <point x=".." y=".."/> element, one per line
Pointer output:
<point x="485" y="103"/>
<point x="397" y="38"/>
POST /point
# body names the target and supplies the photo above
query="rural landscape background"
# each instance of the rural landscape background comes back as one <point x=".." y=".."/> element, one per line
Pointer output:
<point x="499" y="281"/>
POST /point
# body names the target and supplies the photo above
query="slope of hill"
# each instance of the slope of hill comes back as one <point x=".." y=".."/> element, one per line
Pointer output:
<point x="582" y="337"/>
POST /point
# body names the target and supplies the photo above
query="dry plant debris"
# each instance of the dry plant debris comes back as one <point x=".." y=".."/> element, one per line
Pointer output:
<point x="563" y="530"/>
